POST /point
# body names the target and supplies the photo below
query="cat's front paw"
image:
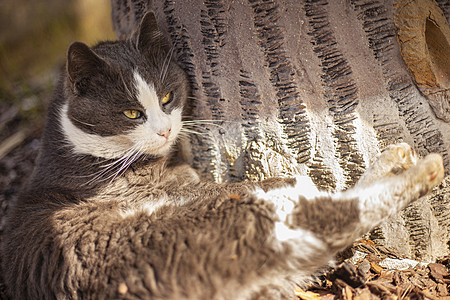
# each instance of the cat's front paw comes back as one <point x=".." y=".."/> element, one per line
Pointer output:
<point x="430" y="172"/>
<point x="393" y="160"/>
<point x="400" y="156"/>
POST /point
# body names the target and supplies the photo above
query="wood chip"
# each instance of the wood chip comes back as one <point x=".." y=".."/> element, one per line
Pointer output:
<point x="306" y="295"/>
<point x="423" y="282"/>
<point x="364" y="295"/>
<point x="375" y="268"/>
<point x="379" y="289"/>
<point x="235" y="197"/>
<point x="438" y="269"/>
<point x="441" y="290"/>
<point x="347" y="293"/>
<point x="364" y="268"/>
<point x="367" y="242"/>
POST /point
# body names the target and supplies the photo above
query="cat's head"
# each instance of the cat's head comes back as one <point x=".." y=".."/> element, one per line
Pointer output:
<point x="123" y="98"/>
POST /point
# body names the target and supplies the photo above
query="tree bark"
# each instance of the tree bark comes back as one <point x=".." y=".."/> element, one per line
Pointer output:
<point x="311" y="87"/>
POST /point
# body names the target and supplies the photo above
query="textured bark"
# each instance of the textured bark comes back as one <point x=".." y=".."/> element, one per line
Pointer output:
<point x="303" y="87"/>
<point x="424" y="38"/>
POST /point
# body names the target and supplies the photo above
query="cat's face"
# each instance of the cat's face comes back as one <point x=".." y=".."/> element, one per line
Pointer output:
<point x="124" y="98"/>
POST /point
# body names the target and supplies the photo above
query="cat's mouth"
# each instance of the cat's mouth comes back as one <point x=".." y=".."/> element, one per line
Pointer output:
<point x="161" y="148"/>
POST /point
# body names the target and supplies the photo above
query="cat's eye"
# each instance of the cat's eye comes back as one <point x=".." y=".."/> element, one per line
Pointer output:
<point x="132" y="114"/>
<point x="167" y="98"/>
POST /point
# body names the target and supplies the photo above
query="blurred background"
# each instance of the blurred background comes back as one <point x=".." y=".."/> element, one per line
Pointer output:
<point x="34" y="36"/>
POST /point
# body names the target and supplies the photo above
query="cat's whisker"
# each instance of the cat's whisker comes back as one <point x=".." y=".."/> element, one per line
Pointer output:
<point x="202" y="121"/>
<point x="129" y="93"/>
<point x="200" y="131"/>
<point x="124" y="156"/>
<point x="98" y="175"/>
<point x="208" y="121"/>
<point x="127" y="157"/>
<point x="201" y="124"/>
<point x="118" y="163"/>
<point x="204" y="126"/>
<point x="108" y="176"/>
<point x="106" y="169"/>
<point x="166" y="64"/>
<point x="81" y="122"/>
<point x="137" y="154"/>
<point x="187" y="132"/>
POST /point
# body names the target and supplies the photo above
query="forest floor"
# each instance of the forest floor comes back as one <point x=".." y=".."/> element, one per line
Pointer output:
<point x="369" y="272"/>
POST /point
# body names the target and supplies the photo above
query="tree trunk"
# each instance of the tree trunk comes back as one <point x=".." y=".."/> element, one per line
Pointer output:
<point x="313" y="88"/>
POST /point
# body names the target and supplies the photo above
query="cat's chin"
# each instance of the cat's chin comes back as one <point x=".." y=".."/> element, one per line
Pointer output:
<point x="160" y="151"/>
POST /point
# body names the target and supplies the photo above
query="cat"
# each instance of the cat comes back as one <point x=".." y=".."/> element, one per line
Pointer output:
<point x="108" y="213"/>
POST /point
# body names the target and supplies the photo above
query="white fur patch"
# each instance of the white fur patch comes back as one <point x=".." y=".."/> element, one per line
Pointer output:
<point x="284" y="233"/>
<point x="147" y="208"/>
<point x="284" y="200"/>
<point x="306" y="188"/>
<point x="85" y="143"/>
<point x="146" y="93"/>
<point x="304" y="242"/>
<point x="157" y="120"/>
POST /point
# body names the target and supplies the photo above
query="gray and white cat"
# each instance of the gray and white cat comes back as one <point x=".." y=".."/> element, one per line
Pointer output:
<point x="107" y="215"/>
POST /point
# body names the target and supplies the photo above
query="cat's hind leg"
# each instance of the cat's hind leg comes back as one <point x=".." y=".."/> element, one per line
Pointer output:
<point x="363" y="207"/>
<point x="312" y="231"/>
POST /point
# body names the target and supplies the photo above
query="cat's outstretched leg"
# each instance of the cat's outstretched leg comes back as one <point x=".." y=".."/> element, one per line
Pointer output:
<point x="315" y="229"/>
<point x="391" y="194"/>
<point x="360" y="209"/>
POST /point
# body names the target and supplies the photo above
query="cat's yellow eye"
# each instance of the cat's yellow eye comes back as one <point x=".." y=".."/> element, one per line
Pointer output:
<point x="132" y="114"/>
<point x="167" y="98"/>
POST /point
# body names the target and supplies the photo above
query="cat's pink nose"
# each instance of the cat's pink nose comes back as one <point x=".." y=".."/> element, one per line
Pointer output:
<point x="165" y="133"/>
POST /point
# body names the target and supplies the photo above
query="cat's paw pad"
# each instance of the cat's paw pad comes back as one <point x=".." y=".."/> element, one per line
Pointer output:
<point x="403" y="156"/>
<point x="431" y="170"/>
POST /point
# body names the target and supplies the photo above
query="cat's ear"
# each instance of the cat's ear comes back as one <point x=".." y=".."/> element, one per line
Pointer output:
<point x="148" y="36"/>
<point x="82" y="63"/>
